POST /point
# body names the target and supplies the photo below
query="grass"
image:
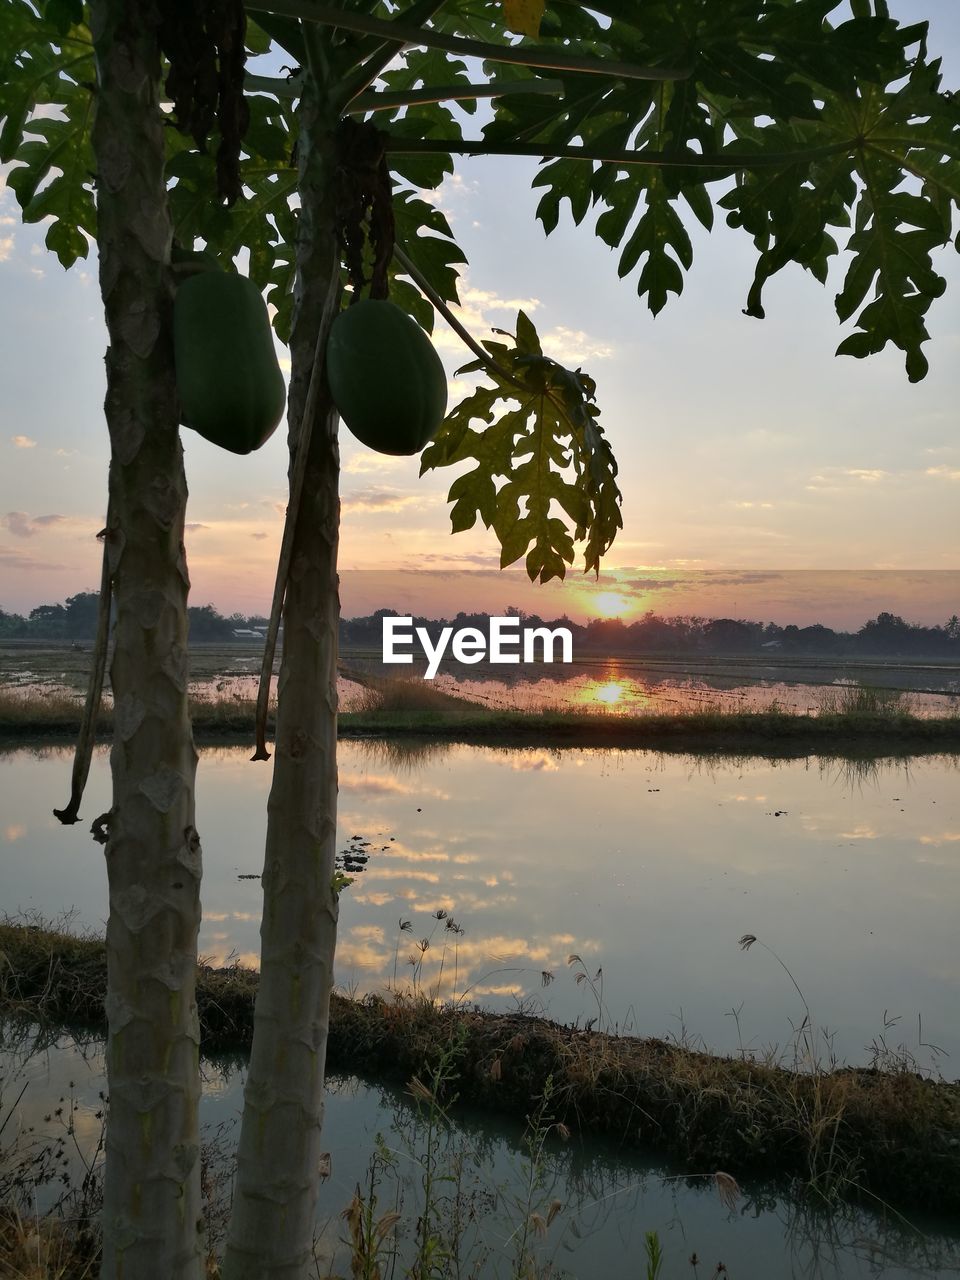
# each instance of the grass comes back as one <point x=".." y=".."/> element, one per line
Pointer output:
<point x="884" y="1132"/>
<point x="850" y="720"/>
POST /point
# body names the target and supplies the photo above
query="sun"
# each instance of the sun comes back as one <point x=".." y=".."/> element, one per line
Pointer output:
<point x="609" y="604"/>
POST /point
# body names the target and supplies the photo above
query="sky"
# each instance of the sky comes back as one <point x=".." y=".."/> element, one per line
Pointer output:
<point x="742" y="444"/>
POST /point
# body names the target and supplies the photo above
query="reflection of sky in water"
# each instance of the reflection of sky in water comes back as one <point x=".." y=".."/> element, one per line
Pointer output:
<point x="610" y="1196"/>
<point x="625" y="686"/>
<point x="649" y="868"/>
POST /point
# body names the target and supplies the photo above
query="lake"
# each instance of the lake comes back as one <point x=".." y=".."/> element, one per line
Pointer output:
<point x="609" y="1197"/>
<point x="628" y="683"/>
<point x="479" y="872"/>
<point x="648" y="867"/>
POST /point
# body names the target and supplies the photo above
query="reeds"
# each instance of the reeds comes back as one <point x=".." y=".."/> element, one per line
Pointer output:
<point x="850" y="719"/>
<point x="890" y="1132"/>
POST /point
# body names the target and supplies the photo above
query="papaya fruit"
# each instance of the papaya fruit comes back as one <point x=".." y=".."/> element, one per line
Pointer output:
<point x="228" y="377"/>
<point x="386" y="380"/>
<point x="195" y="259"/>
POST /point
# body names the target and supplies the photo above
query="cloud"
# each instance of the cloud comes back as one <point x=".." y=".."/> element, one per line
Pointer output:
<point x="752" y="506"/>
<point x="16" y="560"/>
<point x="378" y="498"/>
<point x="944" y="473"/>
<point x="23" y="442"/>
<point x="834" y="477"/>
<point x="365" y="463"/>
<point x="6" y="248"/>
<point x="650" y="584"/>
<point x="259" y="536"/>
<point x="195" y="527"/>
<point x="573" y="347"/>
<point x="22" y="525"/>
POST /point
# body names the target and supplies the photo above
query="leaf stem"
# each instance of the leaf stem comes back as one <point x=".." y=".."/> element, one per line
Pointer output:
<point x="520" y="55"/>
<point x="426" y="288"/>
<point x="727" y="162"/>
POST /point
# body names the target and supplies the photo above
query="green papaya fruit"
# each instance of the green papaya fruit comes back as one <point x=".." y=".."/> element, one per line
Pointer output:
<point x="228" y="377"/>
<point x="198" y="259"/>
<point x="385" y="377"/>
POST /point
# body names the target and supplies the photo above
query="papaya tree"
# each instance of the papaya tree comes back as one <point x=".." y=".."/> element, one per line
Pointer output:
<point x="818" y="127"/>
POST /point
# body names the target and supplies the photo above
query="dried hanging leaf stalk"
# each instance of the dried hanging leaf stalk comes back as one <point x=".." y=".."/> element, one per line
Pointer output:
<point x="88" y="725"/>
<point x="331" y="307"/>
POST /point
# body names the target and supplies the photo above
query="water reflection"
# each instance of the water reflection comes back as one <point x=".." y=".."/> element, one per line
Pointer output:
<point x="683" y="685"/>
<point x="478" y="872"/>
<point x="607" y="1194"/>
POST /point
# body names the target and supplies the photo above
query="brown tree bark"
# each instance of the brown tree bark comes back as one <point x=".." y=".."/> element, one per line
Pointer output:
<point x="279" y="1156"/>
<point x="152" y="1190"/>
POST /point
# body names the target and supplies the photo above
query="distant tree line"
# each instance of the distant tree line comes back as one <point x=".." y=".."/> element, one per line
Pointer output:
<point x="76" y="620"/>
<point x="887" y="634"/>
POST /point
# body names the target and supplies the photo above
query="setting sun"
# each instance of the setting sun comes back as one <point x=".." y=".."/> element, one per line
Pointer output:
<point x="609" y="604"/>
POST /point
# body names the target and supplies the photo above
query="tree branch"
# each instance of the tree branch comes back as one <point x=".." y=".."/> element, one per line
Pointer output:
<point x="519" y="55"/>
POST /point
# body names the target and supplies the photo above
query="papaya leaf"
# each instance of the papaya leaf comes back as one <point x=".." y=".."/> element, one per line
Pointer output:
<point x="46" y="77"/>
<point x="916" y="132"/>
<point x="544" y="477"/>
<point x="809" y="103"/>
<point x="524" y="16"/>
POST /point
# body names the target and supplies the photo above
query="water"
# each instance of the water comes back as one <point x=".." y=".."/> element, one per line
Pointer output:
<point x="614" y="685"/>
<point x="608" y="1197"/>
<point x="647" y="867"/>
<point x="634" y="685"/>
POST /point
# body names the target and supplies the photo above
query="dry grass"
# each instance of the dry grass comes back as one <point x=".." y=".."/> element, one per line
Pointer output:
<point x="47" y="1248"/>
<point x="890" y="1133"/>
<point x="853" y="721"/>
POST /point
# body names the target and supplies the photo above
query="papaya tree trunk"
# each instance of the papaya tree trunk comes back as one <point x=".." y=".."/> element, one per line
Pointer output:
<point x="279" y="1153"/>
<point x="152" y="1184"/>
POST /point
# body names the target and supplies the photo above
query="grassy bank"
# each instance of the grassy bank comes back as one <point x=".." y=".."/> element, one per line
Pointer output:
<point x="884" y="1133"/>
<point x="855" y="721"/>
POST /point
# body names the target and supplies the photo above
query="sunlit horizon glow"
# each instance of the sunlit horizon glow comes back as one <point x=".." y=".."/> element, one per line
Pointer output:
<point x="609" y="604"/>
<point x="741" y="445"/>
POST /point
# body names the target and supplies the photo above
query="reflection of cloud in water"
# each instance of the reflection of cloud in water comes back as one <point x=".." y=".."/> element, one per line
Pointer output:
<point x="429" y="905"/>
<point x="948" y="837"/>
<point x="373" y="872"/>
<point x="373" y="899"/>
<point x="493" y="989"/>
<point x="15" y="831"/>
<point x="361" y="954"/>
<point x="411" y="855"/>
<point x="534" y="762"/>
<point x="370" y="932"/>
<point x="221" y="956"/>
<point x="385" y="785"/>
